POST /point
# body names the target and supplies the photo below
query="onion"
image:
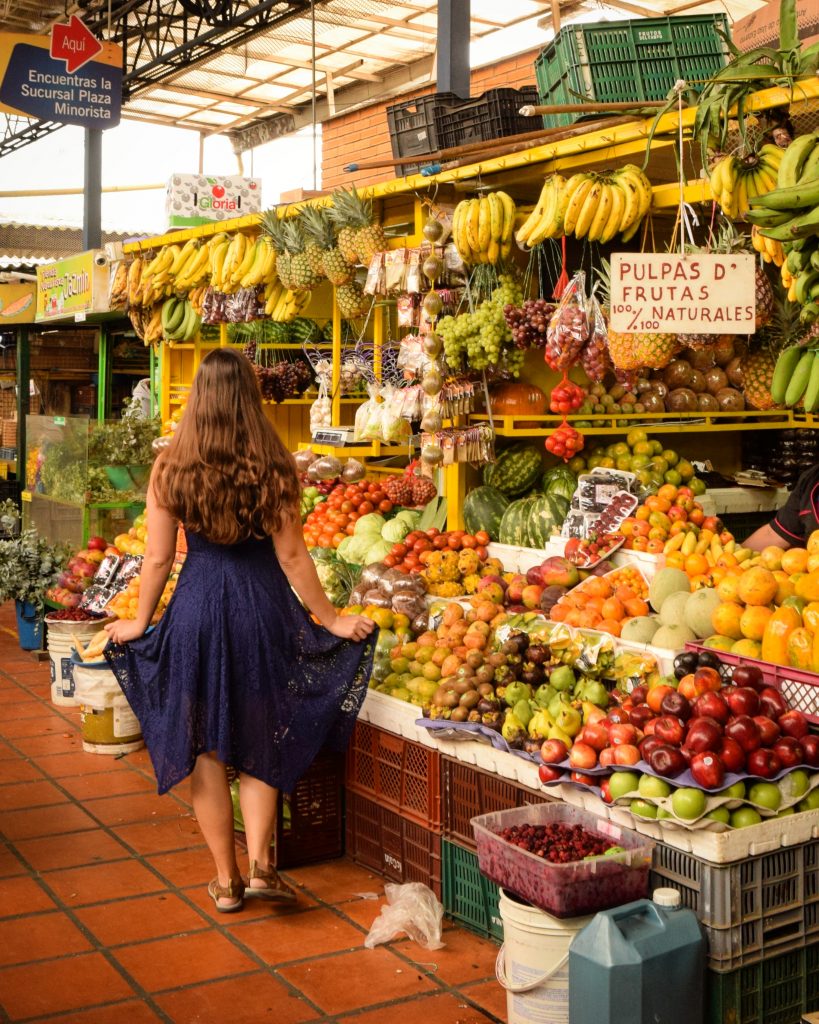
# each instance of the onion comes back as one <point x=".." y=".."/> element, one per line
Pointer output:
<point x="304" y="459"/>
<point x="312" y="473"/>
<point x="328" y="468"/>
<point x="353" y="471"/>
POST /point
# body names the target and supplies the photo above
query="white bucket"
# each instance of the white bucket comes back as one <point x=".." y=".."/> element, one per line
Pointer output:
<point x="60" y="636"/>
<point x="533" y="962"/>
<point x="107" y="723"/>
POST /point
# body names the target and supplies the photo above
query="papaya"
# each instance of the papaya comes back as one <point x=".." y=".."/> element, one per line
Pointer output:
<point x="815" y="653"/>
<point x="778" y="629"/>
<point x="810" y="616"/>
<point x="807" y="586"/>
<point x="800" y="648"/>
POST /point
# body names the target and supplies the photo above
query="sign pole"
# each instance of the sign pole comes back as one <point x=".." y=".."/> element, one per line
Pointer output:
<point x="92" y="190"/>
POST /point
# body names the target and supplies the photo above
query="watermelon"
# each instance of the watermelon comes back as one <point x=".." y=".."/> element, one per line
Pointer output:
<point x="514" y="524"/>
<point x="516" y="470"/>
<point x="546" y="517"/>
<point x="559" y="480"/>
<point x="483" y="510"/>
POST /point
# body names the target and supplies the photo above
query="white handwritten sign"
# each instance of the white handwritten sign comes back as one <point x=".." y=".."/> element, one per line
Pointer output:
<point x="693" y="294"/>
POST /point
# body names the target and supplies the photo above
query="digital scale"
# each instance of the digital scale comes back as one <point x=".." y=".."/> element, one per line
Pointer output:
<point x="336" y="437"/>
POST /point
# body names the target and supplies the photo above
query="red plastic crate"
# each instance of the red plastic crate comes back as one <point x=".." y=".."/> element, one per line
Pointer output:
<point x="470" y="792"/>
<point x="396" y="773"/>
<point x="389" y="844"/>
<point x="799" y="687"/>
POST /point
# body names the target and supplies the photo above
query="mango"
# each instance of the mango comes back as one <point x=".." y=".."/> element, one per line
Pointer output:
<point x="808" y="586"/>
<point x="778" y="629"/>
<point x="800" y="649"/>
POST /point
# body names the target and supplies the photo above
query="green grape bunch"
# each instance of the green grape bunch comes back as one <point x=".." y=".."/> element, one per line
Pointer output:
<point x="482" y="336"/>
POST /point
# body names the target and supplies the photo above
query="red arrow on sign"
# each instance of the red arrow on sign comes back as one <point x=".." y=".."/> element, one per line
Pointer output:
<point x="74" y="43"/>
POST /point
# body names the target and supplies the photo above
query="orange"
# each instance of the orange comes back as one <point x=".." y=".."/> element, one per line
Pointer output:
<point x="726" y="560"/>
<point x="696" y="565"/>
<point x="753" y="621"/>
<point x="612" y="609"/>
<point x="756" y="586"/>
<point x="785" y="587"/>
<point x="771" y="557"/>
<point x="655" y="695"/>
<point x="669" y="492"/>
<point x="726" y="619"/>
<point x="794" y="560"/>
<point x="676" y="560"/>
<point x="597" y="586"/>
<point x="589" y="619"/>
<point x="624" y="593"/>
<point x="813" y="542"/>
<point x="718" y="573"/>
<point x="559" y="612"/>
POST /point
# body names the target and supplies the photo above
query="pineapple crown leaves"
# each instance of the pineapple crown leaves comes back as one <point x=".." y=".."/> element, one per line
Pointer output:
<point x="293" y="236"/>
<point x="273" y="227"/>
<point x="317" y="227"/>
<point x="350" y="210"/>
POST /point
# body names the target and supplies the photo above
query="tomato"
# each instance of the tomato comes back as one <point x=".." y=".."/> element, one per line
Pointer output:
<point x="457" y="533"/>
<point x="338" y="538"/>
<point x="416" y="569"/>
<point x="346" y="505"/>
<point x="357" y="500"/>
<point x="377" y="495"/>
<point x="354" y="516"/>
<point x="350" y="529"/>
<point x="385" y="505"/>
<point x="411" y="559"/>
<point x="422" y="545"/>
<point x="390" y="561"/>
<point x="413" y="536"/>
<point x="468" y="541"/>
<point x="400" y="567"/>
<point x="439" y="542"/>
<point x="453" y="542"/>
<point x="433" y="531"/>
<point x="483" y="554"/>
<point x="365" y="507"/>
<point x="482" y="537"/>
<point x="425" y="557"/>
<point x="325" y="540"/>
<point x="351" y="491"/>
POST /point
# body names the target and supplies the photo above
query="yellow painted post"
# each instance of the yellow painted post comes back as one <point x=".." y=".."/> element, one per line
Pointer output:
<point x="335" y="414"/>
<point x="454" y="483"/>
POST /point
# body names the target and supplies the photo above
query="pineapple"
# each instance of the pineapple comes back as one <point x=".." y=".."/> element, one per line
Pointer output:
<point x="757" y="373"/>
<point x="273" y="227"/>
<point x="310" y="220"/>
<point x="352" y="301"/>
<point x="320" y="234"/>
<point x="302" y="277"/>
<point x="633" y="351"/>
<point x="758" y="365"/>
<point x="764" y="297"/>
<point x="359" y="237"/>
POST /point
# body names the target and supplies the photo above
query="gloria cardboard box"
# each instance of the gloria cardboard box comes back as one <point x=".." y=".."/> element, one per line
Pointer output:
<point x="192" y="199"/>
<point x="762" y="27"/>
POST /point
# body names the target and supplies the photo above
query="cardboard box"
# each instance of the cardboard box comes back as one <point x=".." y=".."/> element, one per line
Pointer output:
<point x="762" y="27"/>
<point x="298" y="195"/>
<point x="192" y="199"/>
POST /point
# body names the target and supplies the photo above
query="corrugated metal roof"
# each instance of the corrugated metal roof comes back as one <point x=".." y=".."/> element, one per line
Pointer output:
<point x="29" y="244"/>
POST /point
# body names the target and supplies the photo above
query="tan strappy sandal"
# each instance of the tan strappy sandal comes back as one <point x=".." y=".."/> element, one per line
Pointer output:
<point x="273" y="889"/>
<point x="234" y="890"/>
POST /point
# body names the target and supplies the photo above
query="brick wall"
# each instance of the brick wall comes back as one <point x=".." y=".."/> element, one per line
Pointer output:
<point x="363" y="135"/>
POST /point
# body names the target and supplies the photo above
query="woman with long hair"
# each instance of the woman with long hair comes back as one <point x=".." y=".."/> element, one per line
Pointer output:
<point x="236" y="673"/>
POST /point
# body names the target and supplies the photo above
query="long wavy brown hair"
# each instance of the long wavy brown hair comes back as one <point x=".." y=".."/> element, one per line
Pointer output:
<point x="226" y="474"/>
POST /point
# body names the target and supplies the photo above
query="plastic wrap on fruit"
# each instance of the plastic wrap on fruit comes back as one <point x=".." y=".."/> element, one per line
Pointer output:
<point x="596" y="655"/>
<point x="595" y="355"/>
<point x="569" y="326"/>
<point x="393" y="426"/>
<point x="631" y="667"/>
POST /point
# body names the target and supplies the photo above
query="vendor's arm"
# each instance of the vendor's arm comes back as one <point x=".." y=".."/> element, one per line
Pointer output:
<point x="786" y="529"/>
<point x="160" y="551"/>
<point x="300" y="571"/>
<point x="766" y="537"/>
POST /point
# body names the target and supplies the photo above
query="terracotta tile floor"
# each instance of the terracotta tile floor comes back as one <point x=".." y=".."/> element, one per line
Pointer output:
<point x="104" y="916"/>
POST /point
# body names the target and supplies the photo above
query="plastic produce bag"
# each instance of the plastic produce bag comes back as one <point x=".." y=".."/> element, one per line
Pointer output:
<point x="412" y="909"/>
<point x="568" y="329"/>
<point x="368" y="418"/>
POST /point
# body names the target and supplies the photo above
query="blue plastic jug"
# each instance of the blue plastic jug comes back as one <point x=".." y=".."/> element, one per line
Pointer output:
<point x="642" y="963"/>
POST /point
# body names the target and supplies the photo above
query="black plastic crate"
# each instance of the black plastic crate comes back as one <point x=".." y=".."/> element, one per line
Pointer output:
<point x="494" y="115"/>
<point x="413" y="129"/>
<point x="310" y="820"/>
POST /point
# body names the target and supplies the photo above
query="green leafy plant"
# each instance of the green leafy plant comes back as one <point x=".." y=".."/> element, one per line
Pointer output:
<point x="29" y="565"/>
<point x="9" y="518"/>
<point x="124" y="442"/>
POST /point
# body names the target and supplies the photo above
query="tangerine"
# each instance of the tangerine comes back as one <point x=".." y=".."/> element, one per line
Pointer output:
<point x="696" y="565"/>
<point x="795" y="560"/>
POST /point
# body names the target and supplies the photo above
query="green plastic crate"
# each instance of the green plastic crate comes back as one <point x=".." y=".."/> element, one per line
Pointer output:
<point x="469" y="898"/>
<point x="628" y="61"/>
<point x="777" y="991"/>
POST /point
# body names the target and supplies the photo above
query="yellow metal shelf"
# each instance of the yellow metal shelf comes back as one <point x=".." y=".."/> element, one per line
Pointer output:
<point x="367" y="450"/>
<point x="656" y="423"/>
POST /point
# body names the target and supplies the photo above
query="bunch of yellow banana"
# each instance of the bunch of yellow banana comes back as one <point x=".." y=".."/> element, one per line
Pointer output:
<point x="231" y="262"/>
<point x="587" y="205"/>
<point x="282" y="304"/>
<point x="118" y="291"/>
<point x="197" y="297"/>
<point x="147" y="322"/>
<point x="735" y="181"/>
<point x="770" y="250"/>
<point x="482" y="228"/>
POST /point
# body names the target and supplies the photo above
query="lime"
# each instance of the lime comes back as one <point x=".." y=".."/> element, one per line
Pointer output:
<point x="685" y="469"/>
<point x="670" y="456"/>
<point x="697" y="486"/>
<point x="657" y="447"/>
<point x="623" y="463"/>
<point x="606" y="462"/>
<point x="594" y="461"/>
<point x="659" y="465"/>
<point x="639" y="462"/>
<point x="642" y="447"/>
<point x="598" y="451"/>
<point x="621" y="448"/>
<point x="612" y="451"/>
<point x="577" y="464"/>
<point x="672" y="477"/>
<point x="635" y="437"/>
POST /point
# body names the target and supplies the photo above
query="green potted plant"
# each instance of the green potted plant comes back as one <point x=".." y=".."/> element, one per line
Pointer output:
<point x="29" y="565"/>
<point x="123" y="448"/>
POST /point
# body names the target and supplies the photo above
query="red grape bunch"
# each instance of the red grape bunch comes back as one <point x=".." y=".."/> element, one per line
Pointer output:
<point x="529" y="323"/>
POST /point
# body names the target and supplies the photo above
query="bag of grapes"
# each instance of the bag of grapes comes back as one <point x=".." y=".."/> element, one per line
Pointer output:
<point x="595" y="355"/>
<point x="569" y="326"/>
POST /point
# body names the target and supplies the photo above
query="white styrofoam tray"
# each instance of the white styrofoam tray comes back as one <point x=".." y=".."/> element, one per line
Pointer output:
<point x="517" y="559"/>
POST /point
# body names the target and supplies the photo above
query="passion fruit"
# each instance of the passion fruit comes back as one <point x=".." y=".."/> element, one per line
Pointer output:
<point x="707" y="403"/>
<point x="730" y="400"/>
<point x="716" y="379"/>
<point x="677" y="374"/>
<point x="682" y="400"/>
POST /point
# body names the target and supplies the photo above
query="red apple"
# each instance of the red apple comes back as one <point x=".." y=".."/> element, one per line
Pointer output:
<point x="703" y="734"/>
<point x="640" y="715"/>
<point x="742" y="700"/>
<point x="731" y="754"/>
<point x="625" y="753"/>
<point x="582" y="755"/>
<point x="669" y="730"/>
<point x="768" y="730"/>
<point x="712" y="705"/>
<point x="638" y="694"/>
<point x="605" y="791"/>
<point x="648" y="744"/>
<point x="596" y="736"/>
<point x="675" y="704"/>
<point x="667" y="761"/>
<point x="97" y="544"/>
<point x="790" y="751"/>
<point x="763" y="763"/>
<point x="554" y="751"/>
<point x="707" y="678"/>
<point x="584" y="780"/>
<point x="772" y="703"/>
<point x="748" y="675"/>
<point x="618" y="715"/>
<point x="547" y="773"/>
<point x="810" y="745"/>
<point x="622" y="733"/>
<point x="606" y="757"/>
<point x="745" y="731"/>
<point x="793" y="723"/>
<point x="707" y="770"/>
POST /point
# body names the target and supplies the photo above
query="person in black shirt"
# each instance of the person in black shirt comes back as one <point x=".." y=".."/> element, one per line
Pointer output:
<point x="795" y="521"/>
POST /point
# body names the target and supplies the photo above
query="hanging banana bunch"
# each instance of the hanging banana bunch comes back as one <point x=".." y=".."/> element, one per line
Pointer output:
<point x="482" y="228"/>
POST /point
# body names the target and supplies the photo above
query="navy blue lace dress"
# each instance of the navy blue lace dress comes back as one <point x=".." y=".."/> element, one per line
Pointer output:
<point x="237" y="666"/>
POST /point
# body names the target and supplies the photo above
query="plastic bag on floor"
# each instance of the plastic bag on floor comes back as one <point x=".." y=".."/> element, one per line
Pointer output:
<point x="411" y="909"/>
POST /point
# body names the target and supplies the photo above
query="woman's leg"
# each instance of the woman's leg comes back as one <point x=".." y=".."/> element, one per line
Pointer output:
<point x="214" y="812"/>
<point x="259" y="803"/>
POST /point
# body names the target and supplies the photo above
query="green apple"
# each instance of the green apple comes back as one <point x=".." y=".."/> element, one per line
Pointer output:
<point x="663" y="813"/>
<point x="643" y="809"/>
<point x="652" y="787"/>
<point x="765" y="794"/>
<point x="735" y="792"/>
<point x="794" y="785"/>
<point x="688" y="803"/>
<point x="785" y="812"/>
<point x="720" y="814"/>
<point x="811" y="801"/>
<point x="745" y="816"/>
<point x="621" y="783"/>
